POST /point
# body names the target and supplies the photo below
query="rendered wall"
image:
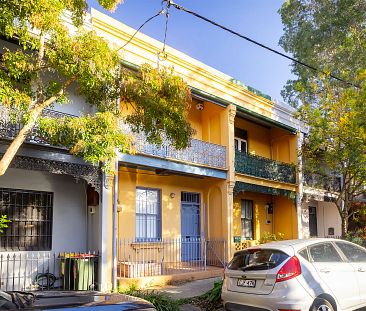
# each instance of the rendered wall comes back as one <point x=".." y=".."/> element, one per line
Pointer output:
<point x="69" y="231"/>
<point x="282" y="220"/>
<point x="259" y="139"/>
<point x="259" y="202"/>
<point x="211" y="200"/>
<point x="327" y="217"/>
<point x="285" y="217"/>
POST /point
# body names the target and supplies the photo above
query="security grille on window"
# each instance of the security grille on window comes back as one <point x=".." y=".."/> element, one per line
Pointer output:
<point x="148" y="215"/>
<point x="247" y="219"/>
<point x="30" y="213"/>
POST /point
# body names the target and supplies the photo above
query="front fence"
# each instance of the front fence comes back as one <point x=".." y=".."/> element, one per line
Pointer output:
<point x="169" y="256"/>
<point x="26" y="271"/>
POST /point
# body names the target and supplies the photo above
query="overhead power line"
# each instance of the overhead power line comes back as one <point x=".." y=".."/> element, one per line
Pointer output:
<point x="143" y="24"/>
<point x="179" y="7"/>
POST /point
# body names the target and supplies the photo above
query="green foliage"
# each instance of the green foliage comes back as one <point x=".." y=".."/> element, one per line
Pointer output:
<point x="51" y="62"/>
<point x="93" y="137"/>
<point x="214" y="295"/>
<point x="4" y="222"/>
<point x="270" y="237"/>
<point x="160" y="301"/>
<point x="161" y="101"/>
<point x="331" y="36"/>
<point x="357" y="236"/>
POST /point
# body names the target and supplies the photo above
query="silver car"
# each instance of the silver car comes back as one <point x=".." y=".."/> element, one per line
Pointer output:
<point x="294" y="275"/>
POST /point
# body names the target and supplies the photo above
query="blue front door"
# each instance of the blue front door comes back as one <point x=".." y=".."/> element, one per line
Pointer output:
<point x="190" y="226"/>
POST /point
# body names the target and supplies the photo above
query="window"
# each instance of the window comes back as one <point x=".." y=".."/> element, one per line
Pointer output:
<point x="241" y="140"/>
<point x="148" y="215"/>
<point x="352" y="252"/>
<point x="304" y="253"/>
<point x="247" y="219"/>
<point x="313" y="222"/>
<point x="324" y="252"/>
<point x="241" y="145"/>
<point x="254" y="259"/>
<point x="30" y="213"/>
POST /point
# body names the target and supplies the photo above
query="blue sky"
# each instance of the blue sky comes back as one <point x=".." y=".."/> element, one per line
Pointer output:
<point x="257" y="19"/>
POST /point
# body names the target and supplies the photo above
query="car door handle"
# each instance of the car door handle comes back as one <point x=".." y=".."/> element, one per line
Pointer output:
<point x="361" y="269"/>
<point x="325" y="270"/>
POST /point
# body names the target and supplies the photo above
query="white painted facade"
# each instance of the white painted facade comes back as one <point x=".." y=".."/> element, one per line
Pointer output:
<point x="327" y="217"/>
<point x="70" y="214"/>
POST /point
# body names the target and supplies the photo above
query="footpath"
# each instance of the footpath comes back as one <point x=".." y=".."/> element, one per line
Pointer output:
<point x="188" y="290"/>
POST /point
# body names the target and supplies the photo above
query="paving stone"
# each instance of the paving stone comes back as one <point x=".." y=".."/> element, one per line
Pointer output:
<point x="189" y="307"/>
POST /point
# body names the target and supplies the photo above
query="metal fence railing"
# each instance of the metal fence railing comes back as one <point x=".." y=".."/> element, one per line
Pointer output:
<point x="29" y="271"/>
<point x="168" y="256"/>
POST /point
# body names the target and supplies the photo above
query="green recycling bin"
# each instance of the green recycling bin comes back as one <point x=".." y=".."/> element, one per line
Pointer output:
<point x="79" y="271"/>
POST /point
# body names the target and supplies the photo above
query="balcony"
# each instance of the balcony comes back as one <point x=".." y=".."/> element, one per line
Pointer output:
<point x="328" y="183"/>
<point x="265" y="168"/>
<point x="199" y="152"/>
<point x="10" y="130"/>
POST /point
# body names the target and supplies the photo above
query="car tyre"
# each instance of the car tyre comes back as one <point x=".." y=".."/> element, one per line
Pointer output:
<point x="321" y="304"/>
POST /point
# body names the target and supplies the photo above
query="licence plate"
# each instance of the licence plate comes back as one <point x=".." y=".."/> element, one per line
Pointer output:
<point x="246" y="283"/>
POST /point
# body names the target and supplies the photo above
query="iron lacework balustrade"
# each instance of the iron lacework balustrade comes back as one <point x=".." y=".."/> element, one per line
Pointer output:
<point x="198" y="152"/>
<point x="264" y="168"/>
<point x="10" y="130"/>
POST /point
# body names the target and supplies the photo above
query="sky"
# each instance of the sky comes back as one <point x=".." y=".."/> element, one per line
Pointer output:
<point x="257" y="19"/>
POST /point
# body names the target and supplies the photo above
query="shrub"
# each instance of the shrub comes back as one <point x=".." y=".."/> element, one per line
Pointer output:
<point x="270" y="237"/>
<point x="4" y="223"/>
<point x="160" y="301"/>
<point x="357" y="236"/>
<point x="214" y="295"/>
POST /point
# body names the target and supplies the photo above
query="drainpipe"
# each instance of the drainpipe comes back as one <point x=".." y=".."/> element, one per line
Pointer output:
<point x="114" y="235"/>
<point x="115" y="209"/>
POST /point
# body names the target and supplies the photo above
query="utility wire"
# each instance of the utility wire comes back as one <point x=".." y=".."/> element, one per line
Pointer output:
<point x="148" y="20"/>
<point x="179" y="7"/>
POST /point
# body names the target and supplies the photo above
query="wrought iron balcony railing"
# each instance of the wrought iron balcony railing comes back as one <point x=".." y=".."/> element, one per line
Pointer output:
<point x="328" y="183"/>
<point x="10" y="130"/>
<point x="199" y="152"/>
<point x="265" y="168"/>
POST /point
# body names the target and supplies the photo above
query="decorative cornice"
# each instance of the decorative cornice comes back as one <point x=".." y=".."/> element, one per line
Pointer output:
<point x="91" y="174"/>
<point x="144" y="49"/>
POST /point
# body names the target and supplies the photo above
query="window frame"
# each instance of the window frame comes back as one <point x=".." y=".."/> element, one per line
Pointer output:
<point x="41" y="220"/>
<point x="158" y="218"/>
<point x="336" y="243"/>
<point x="248" y="219"/>
<point x="342" y="259"/>
<point x="241" y="140"/>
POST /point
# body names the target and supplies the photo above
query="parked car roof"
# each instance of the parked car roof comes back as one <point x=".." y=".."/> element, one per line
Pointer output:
<point x="89" y="301"/>
<point x="288" y="245"/>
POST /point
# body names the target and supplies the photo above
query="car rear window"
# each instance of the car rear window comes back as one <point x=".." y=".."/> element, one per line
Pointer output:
<point x="257" y="259"/>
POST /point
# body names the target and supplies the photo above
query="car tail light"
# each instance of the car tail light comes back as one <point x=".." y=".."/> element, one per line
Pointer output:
<point x="289" y="270"/>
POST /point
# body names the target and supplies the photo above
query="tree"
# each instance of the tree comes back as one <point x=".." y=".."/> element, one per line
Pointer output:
<point x="51" y="60"/>
<point x="330" y="36"/>
<point x="3" y="223"/>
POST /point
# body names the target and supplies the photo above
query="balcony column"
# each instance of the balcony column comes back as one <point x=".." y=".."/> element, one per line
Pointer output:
<point x="299" y="195"/>
<point x="105" y="238"/>
<point x="230" y="179"/>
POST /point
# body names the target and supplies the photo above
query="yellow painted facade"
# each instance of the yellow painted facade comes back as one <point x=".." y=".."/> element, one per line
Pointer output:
<point x="220" y="206"/>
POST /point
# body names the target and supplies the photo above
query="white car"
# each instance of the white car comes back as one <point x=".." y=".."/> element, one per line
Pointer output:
<point x="294" y="275"/>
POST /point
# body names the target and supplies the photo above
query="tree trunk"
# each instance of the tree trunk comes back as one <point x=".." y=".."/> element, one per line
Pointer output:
<point x="344" y="217"/>
<point x="22" y="135"/>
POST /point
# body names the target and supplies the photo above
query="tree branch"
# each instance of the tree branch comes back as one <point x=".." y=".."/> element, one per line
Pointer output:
<point x="27" y="128"/>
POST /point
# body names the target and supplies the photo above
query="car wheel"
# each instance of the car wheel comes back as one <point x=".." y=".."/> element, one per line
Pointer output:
<point x="321" y="304"/>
